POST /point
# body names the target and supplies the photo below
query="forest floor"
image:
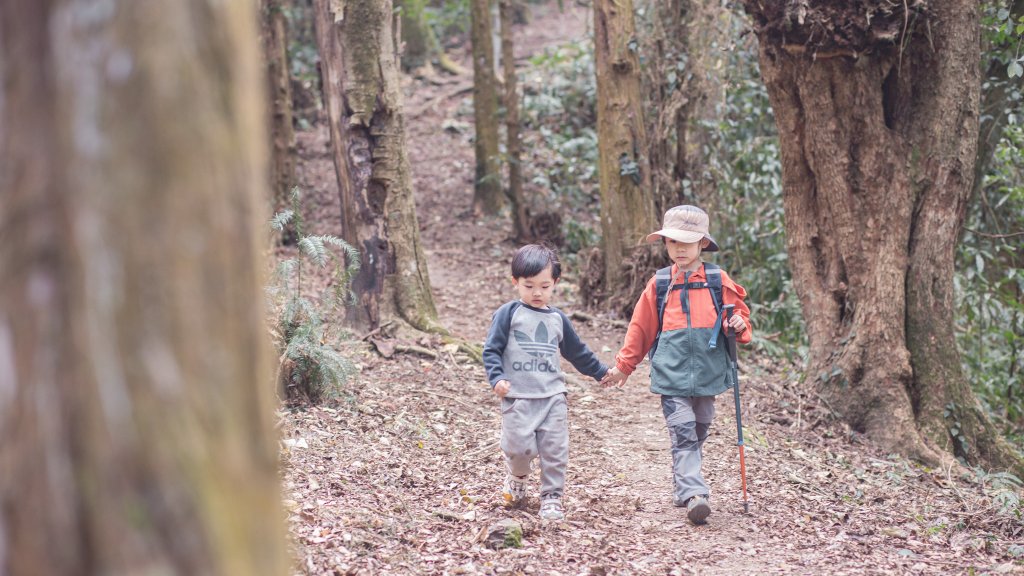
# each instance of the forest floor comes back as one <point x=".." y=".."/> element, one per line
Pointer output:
<point x="403" y="474"/>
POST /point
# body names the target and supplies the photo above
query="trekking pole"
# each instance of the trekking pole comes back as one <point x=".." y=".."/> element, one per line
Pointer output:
<point x="731" y="347"/>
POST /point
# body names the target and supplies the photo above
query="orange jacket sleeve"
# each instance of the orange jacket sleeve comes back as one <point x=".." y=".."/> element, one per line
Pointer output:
<point x="643" y="328"/>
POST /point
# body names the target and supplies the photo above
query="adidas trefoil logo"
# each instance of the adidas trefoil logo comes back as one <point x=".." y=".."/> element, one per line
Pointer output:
<point x="539" y="346"/>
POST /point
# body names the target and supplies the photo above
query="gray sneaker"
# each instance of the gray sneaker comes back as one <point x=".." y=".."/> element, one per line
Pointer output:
<point x="698" y="509"/>
<point x="551" y="509"/>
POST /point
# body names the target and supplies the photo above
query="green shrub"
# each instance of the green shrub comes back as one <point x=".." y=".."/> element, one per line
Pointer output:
<point x="311" y="368"/>
<point x="989" y="287"/>
<point x="559" y="114"/>
<point x="1005" y="489"/>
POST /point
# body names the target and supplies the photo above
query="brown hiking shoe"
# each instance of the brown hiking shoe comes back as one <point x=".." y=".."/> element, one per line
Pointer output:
<point x="698" y="510"/>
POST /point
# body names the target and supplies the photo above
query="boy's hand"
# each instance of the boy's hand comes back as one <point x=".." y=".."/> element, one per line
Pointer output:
<point x="502" y="388"/>
<point x="614" y="377"/>
<point x="737" y="323"/>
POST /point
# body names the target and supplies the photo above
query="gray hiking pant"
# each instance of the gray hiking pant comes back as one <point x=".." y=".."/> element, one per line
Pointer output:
<point x="537" y="427"/>
<point x="688" y="420"/>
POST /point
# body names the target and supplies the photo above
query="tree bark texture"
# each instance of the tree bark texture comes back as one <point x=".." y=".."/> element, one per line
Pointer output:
<point x="683" y="86"/>
<point x="488" y="196"/>
<point x="878" y="129"/>
<point x="520" y="220"/>
<point x="669" y="98"/>
<point x="359" y="226"/>
<point x="136" y="397"/>
<point x="282" y="134"/>
<point x="627" y="208"/>
<point x="361" y="70"/>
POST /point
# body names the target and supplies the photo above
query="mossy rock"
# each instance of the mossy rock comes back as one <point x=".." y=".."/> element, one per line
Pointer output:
<point x="504" y="534"/>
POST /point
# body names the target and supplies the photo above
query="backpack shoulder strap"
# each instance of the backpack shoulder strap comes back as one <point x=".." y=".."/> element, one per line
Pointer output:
<point x="662" y="279"/>
<point x="713" y="273"/>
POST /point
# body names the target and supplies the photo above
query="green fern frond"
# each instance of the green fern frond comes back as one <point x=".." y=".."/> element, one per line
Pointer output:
<point x="343" y="274"/>
<point x="351" y="254"/>
<point x="285" y="269"/>
<point x="313" y="247"/>
<point x="1005" y="480"/>
<point x="281" y="219"/>
<point x="1004" y="489"/>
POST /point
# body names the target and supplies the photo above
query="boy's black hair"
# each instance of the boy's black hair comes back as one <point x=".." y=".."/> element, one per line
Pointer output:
<point x="532" y="259"/>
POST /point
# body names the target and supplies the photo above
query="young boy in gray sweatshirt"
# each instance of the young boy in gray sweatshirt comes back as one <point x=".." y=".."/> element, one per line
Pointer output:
<point x="521" y="358"/>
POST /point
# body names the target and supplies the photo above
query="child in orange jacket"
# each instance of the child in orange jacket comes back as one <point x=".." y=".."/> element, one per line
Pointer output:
<point x="689" y="362"/>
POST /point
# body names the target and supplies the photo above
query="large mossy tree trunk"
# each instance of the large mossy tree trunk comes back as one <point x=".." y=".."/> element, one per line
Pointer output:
<point x="488" y="196"/>
<point x="282" y="135"/>
<point x="364" y="101"/>
<point x="627" y="207"/>
<point x="136" y="393"/>
<point x="878" y="133"/>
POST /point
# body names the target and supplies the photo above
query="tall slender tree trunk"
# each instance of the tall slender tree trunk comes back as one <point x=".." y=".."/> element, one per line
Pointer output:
<point x="357" y="220"/>
<point x="136" y="393"/>
<point x="708" y="25"/>
<point x="627" y="209"/>
<point x="520" y="220"/>
<point x="878" y="132"/>
<point x="488" y="197"/>
<point x="684" y="81"/>
<point x="667" y="81"/>
<point x="282" y="135"/>
<point x="360" y="66"/>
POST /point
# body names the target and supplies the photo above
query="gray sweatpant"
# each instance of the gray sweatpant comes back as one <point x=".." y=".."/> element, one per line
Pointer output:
<point x="537" y="427"/>
<point x="688" y="420"/>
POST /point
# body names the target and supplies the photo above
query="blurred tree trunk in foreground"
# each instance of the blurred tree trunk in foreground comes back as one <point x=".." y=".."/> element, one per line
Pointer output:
<point x="627" y="208"/>
<point x="136" y="399"/>
<point x="878" y="129"/>
<point x="364" y="101"/>
<point x="282" y="135"/>
<point x="488" y="196"/>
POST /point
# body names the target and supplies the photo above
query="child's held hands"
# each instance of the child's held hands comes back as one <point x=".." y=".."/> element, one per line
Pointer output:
<point x="502" y="388"/>
<point x="614" y="377"/>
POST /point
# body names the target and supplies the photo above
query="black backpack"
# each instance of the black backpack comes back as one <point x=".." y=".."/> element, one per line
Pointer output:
<point x="663" y="277"/>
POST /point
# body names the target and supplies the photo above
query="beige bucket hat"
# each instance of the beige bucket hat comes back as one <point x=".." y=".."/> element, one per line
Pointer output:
<point x="685" y="224"/>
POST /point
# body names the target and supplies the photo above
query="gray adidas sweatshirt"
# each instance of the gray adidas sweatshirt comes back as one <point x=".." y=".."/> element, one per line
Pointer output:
<point x="523" y="345"/>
